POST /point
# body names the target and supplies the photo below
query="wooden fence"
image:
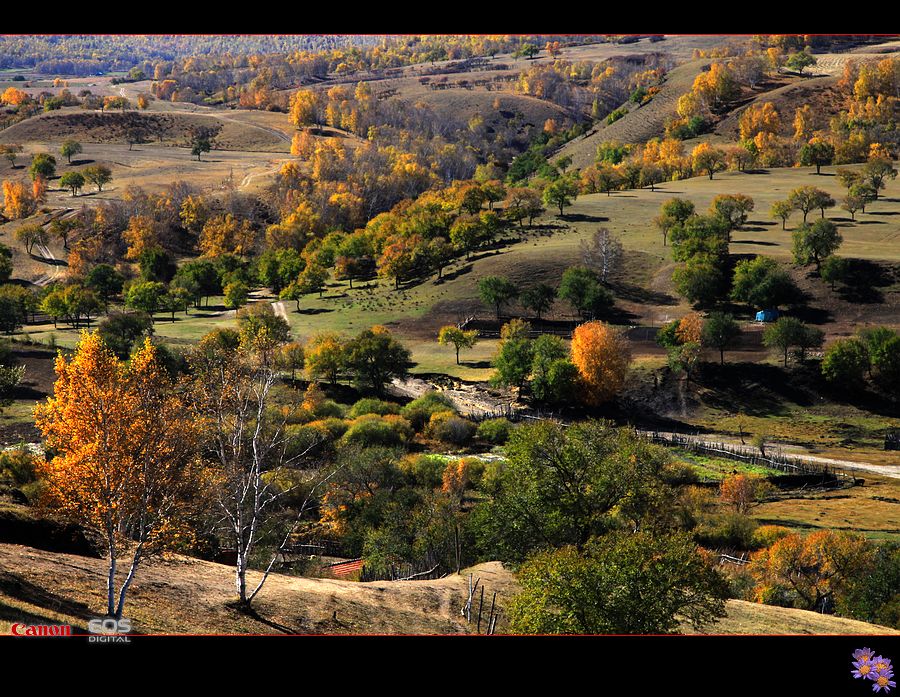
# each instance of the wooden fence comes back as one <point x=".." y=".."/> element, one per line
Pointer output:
<point x="402" y="572"/>
<point x="776" y="460"/>
<point x="468" y="608"/>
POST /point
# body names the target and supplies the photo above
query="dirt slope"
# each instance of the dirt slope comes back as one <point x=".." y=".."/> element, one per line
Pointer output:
<point x="185" y="595"/>
<point x="639" y="124"/>
<point x="168" y="127"/>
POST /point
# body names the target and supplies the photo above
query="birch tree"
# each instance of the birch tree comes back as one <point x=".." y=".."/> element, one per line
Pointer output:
<point x="603" y="253"/>
<point x="126" y="462"/>
<point x="245" y="438"/>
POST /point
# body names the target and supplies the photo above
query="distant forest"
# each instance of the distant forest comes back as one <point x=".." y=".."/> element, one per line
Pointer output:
<point x="85" y="54"/>
<point x="81" y="54"/>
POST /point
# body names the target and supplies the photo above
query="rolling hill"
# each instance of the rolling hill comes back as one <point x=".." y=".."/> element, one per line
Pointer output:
<point x="184" y="595"/>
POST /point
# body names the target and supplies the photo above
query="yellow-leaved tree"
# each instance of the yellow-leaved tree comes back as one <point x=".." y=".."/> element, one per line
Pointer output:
<point x="601" y="354"/>
<point x="126" y="461"/>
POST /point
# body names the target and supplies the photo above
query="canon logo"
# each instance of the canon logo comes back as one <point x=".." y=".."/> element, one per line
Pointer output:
<point x="41" y="629"/>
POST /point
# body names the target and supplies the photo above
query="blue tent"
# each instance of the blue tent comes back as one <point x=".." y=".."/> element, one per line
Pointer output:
<point x="767" y="315"/>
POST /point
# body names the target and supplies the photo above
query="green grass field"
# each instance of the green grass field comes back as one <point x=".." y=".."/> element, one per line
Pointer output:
<point x="416" y="312"/>
<point x="717" y="468"/>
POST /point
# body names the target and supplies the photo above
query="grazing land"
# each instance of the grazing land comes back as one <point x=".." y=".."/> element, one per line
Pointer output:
<point x="456" y="274"/>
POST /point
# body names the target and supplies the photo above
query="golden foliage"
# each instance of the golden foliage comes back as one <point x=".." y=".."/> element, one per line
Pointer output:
<point x="690" y="328"/>
<point x="126" y="448"/>
<point x="224" y="235"/>
<point x="759" y="118"/>
<point x="18" y="201"/>
<point x="601" y="354"/>
<point x="140" y="235"/>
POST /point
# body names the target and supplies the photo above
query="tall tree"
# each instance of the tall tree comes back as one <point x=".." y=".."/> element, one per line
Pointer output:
<point x="231" y="398"/>
<point x="812" y="243"/>
<point x="458" y="338"/>
<point x="601" y="354"/>
<point x="621" y="583"/>
<point x="497" y="291"/>
<point x="98" y="175"/>
<point x="538" y="298"/>
<point x="374" y="358"/>
<point x="70" y="147"/>
<point x="719" y="331"/>
<point x="126" y="454"/>
<point x="603" y="253"/>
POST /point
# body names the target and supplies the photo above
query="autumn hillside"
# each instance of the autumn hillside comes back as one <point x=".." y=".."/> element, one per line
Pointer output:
<point x="186" y="595"/>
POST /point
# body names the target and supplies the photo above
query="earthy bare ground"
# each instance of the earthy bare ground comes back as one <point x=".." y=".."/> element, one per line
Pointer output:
<point x="184" y="595"/>
<point x="171" y="127"/>
<point x="153" y="166"/>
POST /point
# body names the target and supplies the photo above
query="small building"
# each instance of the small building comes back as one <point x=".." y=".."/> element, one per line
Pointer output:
<point x="767" y="315"/>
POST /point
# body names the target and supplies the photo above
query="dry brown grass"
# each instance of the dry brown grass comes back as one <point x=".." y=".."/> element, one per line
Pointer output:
<point x="752" y="618"/>
<point x="171" y="127"/>
<point x="639" y="124"/>
<point x="184" y="595"/>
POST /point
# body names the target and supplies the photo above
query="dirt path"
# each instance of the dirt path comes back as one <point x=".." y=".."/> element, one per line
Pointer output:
<point x="281" y="135"/>
<point x="48" y="255"/>
<point x="245" y="182"/>
<point x="53" y="274"/>
<point x="892" y="471"/>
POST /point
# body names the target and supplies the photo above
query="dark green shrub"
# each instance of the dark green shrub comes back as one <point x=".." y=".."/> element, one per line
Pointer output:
<point x="730" y="530"/>
<point x="448" y="427"/>
<point x="426" y="470"/>
<point x="419" y="411"/>
<point x="372" y="429"/>
<point x="495" y="431"/>
<point x="305" y="437"/>
<point x="369" y="405"/>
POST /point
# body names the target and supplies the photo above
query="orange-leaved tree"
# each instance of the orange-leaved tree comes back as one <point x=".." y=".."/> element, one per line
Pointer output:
<point x="743" y="491"/>
<point x="601" y="354"/>
<point x="812" y="571"/>
<point x="690" y="328"/>
<point x="126" y="462"/>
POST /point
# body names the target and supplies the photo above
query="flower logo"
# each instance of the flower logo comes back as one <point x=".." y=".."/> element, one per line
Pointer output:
<point x="877" y="669"/>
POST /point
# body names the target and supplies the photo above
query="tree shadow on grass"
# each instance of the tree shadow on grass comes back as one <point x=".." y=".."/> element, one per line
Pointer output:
<point x="476" y="364"/>
<point x="761" y="243"/>
<point x="26" y="392"/>
<point x="812" y="315"/>
<point x="20" y="589"/>
<point x="462" y="271"/>
<point x="13" y="615"/>
<point x="253" y="613"/>
<point x="757" y="389"/>
<point x="639" y="294"/>
<point x="618" y="315"/>
<point x="863" y="280"/>
<point x="314" y="311"/>
<point x="48" y="260"/>
<point x="584" y="218"/>
<point x="484" y="255"/>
